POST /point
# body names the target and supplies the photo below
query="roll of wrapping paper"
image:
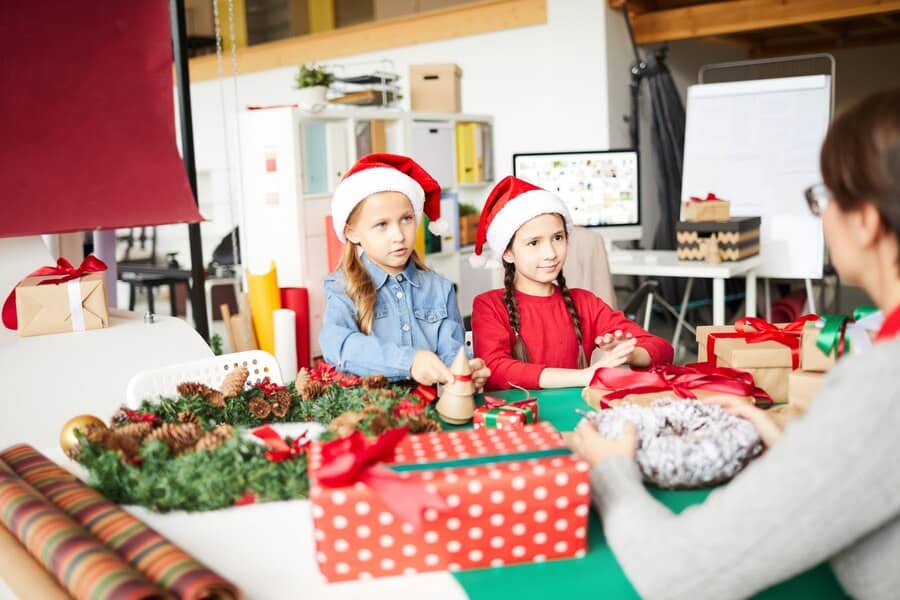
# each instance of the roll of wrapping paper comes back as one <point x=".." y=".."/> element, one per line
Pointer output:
<point x="80" y="563"/>
<point x="265" y="299"/>
<point x="286" y="342"/>
<point x="297" y="299"/>
<point x="136" y="542"/>
<point x="23" y="574"/>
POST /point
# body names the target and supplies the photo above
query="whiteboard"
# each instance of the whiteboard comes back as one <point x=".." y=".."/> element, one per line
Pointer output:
<point x="756" y="144"/>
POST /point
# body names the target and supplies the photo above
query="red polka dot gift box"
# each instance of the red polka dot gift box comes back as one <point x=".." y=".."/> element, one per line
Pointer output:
<point x="450" y="500"/>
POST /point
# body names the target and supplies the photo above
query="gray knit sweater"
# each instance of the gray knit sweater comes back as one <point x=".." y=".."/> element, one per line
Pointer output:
<point x="828" y="490"/>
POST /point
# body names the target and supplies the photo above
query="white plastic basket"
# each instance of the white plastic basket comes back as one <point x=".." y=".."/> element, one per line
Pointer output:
<point x="163" y="381"/>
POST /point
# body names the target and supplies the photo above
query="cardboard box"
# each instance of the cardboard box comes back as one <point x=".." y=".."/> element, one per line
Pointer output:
<point x="468" y="229"/>
<point x="593" y="397"/>
<point x="501" y="512"/>
<point x="707" y="210"/>
<point x="737" y="238"/>
<point x="49" y="308"/>
<point x="811" y="357"/>
<point x="435" y="88"/>
<point x="803" y="386"/>
<point x="507" y="415"/>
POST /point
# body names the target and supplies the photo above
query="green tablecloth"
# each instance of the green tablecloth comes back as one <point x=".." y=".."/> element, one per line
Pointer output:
<point x="598" y="575"/>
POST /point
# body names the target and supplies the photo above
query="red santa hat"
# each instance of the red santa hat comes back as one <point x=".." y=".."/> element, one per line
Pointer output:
<point x="387" y="173"/>
<point x="512" y="203"/>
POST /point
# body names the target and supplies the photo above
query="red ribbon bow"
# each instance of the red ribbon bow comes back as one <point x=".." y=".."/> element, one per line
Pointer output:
<point x="280" y="451"/>
<point x="494" y="402"/>
<point x="425" y="393"/>
<point x="709" y="198"/>
<point x="352" y="459"/>
<point x="91" y="264"/>
<point x="763" y="331"/>
<point x="679" y="380"/>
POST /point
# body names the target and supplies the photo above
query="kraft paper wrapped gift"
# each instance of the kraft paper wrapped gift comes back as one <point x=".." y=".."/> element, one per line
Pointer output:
<point x="75" y="305"/>
<point x="769" y="362"/>
<point x="710" y="208"/>
<point x="613" y="386"/>
<point x="803" y="386"/>
<point x="811" y="356"/>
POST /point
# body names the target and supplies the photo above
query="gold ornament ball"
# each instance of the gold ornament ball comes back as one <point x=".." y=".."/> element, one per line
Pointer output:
<point x="67" y="439"/>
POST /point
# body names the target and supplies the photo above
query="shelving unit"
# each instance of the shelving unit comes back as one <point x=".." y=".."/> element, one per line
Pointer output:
<point x="292" y="161"/>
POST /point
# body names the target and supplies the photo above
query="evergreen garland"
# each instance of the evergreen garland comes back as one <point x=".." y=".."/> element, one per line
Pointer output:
<point x="237" y="471"/>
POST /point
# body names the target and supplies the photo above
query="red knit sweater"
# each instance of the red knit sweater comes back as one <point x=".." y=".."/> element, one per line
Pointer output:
<point x="549" y="334"/>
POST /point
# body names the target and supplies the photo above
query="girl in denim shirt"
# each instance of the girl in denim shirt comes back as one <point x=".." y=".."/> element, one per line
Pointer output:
<point x="385" y="311"/>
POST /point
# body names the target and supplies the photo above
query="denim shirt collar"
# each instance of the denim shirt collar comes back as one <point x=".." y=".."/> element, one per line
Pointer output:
<point x="379" y="276"/>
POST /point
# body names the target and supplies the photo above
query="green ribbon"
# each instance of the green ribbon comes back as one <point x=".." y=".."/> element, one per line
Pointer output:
<point x="481" y="460"/>
<point x="491" y="417"/>
<point x="832" y="338"/>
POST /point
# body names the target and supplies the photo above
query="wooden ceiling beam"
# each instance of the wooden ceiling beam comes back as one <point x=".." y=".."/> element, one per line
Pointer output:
<point x="634" y="6"/>
<point x="765" y="50"/>
<point x="734" y="16"/>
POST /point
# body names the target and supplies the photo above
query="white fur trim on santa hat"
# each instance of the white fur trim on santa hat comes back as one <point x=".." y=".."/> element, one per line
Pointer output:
<point x="439" y="227"/>
<point x="519" y="211"/>
<point x="360" y="185"/>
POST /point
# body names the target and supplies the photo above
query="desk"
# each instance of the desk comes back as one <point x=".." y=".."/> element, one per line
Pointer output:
<point x="665" y="263"/>
<point x="51" y="378"/>
<point x="268" y="551"/>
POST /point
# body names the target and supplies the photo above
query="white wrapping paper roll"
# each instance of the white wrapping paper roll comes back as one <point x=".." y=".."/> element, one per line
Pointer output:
<point x="286" y="343"/>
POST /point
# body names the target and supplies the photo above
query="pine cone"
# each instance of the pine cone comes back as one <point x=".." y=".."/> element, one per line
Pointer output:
<point x="419" y="423"/>
<point x="188" y="416"/>
<point x="301" y="379"/>
<point x="388" y="393"/>
<point x="209" y="442"/>
<point x="312" y="390"/>
<point x="345" y="423"/>
<point x="259" y="407"/>
<point x="378" y="421"/>
<point x="234" y="382"/>
<point x="96" y="434"/>
<point x="223" y="430"/>
<point x="281" y="403"/>
<point x="136" y="430"/>
<point x="374" y="382"/>
<point x="193" y="388"/>
<point x="216" y="399"/>
<point x="128" y="445"/>
<point x="177" y="436"/>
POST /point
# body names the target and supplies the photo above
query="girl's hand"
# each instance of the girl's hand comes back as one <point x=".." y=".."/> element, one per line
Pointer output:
<point x="616" y="353"/>
<point x="769" y="431"/>
<point x="480" y="372"/>
<point x="608" y="341"/>
<point x="591" y="446"/>
<point x="428" y="369"/>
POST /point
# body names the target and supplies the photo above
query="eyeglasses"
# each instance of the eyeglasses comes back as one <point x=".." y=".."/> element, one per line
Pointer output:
<point x="817" y="197"/>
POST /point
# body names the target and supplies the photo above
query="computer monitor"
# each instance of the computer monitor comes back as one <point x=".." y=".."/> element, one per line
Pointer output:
<point x="600" y="188"/>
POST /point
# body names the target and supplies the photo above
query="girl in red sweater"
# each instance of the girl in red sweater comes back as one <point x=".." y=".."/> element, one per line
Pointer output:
<point x="536" y="332"/>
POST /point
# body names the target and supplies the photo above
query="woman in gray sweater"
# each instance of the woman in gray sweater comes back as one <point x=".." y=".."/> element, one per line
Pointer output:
<point x="828" y="488"/>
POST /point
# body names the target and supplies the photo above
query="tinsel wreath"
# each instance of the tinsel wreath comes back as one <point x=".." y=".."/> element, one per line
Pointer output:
<point x="188" y="453"/>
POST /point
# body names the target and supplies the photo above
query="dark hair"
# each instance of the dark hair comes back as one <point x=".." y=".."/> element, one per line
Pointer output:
<point x="860" y="159"/>
<point x="519" y="351"/>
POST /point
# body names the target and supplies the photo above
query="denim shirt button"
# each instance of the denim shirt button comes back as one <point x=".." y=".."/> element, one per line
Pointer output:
<point x="399" y="295"/>
<point x="405" y="327"/>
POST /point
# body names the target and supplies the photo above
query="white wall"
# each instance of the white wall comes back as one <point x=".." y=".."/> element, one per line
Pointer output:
<point x="545" y="85"/>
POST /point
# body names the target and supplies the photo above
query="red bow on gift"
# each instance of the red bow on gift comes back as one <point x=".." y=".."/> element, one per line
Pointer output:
<point x="352" y="459"/>
<point x="91" y="264"/>
<point x="763" y="331"/>
<point x="709" y="198"/>
<point x="494" y="402"/>
<point x="678" y="380"/>
<point x="280" y="450"/>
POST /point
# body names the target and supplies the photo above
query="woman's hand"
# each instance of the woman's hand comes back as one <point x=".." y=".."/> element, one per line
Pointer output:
<point x="594" y="448"/>
<point x="428" y="369"/>
<point x="769" y="431"/>
<point x="480" y="372"/>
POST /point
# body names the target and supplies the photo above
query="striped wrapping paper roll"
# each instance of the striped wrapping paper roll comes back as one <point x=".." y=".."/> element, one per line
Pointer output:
<point x="83" y="566"/>
<point x="141" y="546"/>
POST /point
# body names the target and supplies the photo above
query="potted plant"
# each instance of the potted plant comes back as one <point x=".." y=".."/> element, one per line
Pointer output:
<point x="312" y="82"/>
<point x="468" y="223"/>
